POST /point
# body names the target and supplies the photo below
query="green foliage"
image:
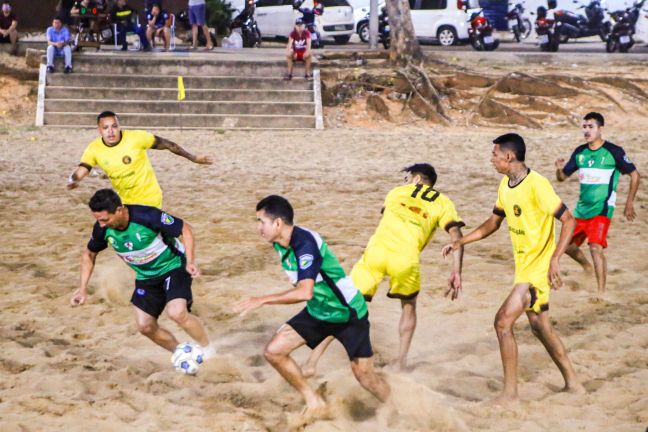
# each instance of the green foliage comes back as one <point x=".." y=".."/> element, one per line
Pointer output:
<point x="219" y="15"/>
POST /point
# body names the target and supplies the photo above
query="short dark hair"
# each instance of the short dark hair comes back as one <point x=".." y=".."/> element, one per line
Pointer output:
<point x="514" y="143"/>
<point x="595" y="116"/>
<point x="105" y="114"/>
<point x="57" y="18"/>
<point x="425" y="170"/>
<point x="105" y="199"/>
<point x="277" y="206"/>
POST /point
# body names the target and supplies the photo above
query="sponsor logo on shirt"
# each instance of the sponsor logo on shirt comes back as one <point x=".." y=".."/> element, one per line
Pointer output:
<point x="517" y="211"/>
<point x="126" y="160"/>
<point x="305" y="261"/>
<point x="141" y="259"/>
<point x="626" y="159"/>
<point x="167" y="219"/>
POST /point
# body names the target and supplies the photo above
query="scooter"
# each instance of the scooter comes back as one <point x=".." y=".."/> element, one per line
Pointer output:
<point x="624" y="28"/>
<point x="308" y="16"/>
<point x="383" y="28"/>
<point x="519" y="25"/>
<point x="547" y="37"/>
<point x="249" y="28"/>
<point x="481" y="32"/>
<point x="572" y="26"/>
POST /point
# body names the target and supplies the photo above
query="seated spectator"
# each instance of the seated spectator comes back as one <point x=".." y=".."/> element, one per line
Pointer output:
<point x="159" y="23"/>
<point x="148" y="5"/>
<point x="63" y="9"/>
<point x="197" y="12"/>
<point x="124" y="16"/>
<point x="85" y="7"/>
<point x="58" y="38"/>
<point x="299" y="49"/>
<point x="9" y="27"/>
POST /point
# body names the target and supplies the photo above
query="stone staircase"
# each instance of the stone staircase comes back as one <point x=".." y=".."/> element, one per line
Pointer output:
<point x="224" y="90"/>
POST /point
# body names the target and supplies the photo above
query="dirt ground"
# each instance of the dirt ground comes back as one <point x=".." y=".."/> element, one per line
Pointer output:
<point x="86" y="368"/>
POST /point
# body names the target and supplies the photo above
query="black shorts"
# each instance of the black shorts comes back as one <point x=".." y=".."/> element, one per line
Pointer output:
<point x="152" y="295"/>
<point x="5" y="39"/>
<point x="354" y="335"/>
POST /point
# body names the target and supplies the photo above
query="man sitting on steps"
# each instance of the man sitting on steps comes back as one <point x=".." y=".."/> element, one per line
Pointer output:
<point x="299" y="49"/>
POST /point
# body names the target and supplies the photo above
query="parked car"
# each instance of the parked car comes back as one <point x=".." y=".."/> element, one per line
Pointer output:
<point x="641" y="28"/>
<point x="443" y="21"/>
<point x="276" y="18"/>
<point x="361" y="17"/>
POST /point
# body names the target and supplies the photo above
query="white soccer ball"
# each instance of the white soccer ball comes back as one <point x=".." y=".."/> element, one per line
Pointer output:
<point x="187" y="358"/>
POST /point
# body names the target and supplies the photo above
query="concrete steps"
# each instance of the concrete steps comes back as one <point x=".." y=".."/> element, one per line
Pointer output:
<point x="222" y="92"/>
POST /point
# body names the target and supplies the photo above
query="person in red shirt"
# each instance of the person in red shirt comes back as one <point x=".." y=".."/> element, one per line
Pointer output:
<point x="299" y="49"/>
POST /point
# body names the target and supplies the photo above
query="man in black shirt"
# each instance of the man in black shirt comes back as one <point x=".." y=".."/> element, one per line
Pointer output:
<point x="63" y="10"/>
<point x="8" y="27"/>
<point x="125" y="18"/>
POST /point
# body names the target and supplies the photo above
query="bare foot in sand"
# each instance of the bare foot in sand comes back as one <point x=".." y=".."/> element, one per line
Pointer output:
<point x="575" y="388"/>
<point x="310" y="415"/>
<point x="503" y="400"/>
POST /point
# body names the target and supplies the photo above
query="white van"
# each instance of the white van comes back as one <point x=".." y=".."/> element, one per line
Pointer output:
<point x="444" y="21"/>
<point x="276" y="18"/>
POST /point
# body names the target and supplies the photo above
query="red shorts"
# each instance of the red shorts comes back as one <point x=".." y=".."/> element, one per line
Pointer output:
<point x="594" y="230"/>
<point x="299" y="55"/>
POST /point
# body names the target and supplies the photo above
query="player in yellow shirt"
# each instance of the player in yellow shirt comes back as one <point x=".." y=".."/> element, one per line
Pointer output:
<point x="411" y="215"/>
<point x="122" y="155"/>
<point x="528" y="202"/>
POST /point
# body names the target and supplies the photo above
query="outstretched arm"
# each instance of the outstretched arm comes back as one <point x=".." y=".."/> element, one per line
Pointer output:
<point x="302" y="292"/>
<point x="189" y="244"/>
<point x="568" y="224"/>
<point x="454" y="281"/>
<point x="79" y="173"/>
<point x="634" y="186"/>
<point x="165" y="144"/>
<point x="87" y="266"/>
<point x="487" y="228"/>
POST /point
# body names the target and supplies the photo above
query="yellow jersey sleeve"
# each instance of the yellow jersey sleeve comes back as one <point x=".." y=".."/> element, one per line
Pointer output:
<point x="448" y="216"/>
<point x="498" y="209"/>
<point x="546" y="198"/>
<point x="89" y="156"/>
<point x="144" y="140"/>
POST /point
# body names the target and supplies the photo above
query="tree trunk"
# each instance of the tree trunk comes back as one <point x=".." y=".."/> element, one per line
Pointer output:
<point x="404" y="48"/>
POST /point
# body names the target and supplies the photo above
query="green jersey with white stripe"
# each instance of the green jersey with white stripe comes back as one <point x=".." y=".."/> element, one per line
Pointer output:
<point x="598" y="173"/>
<point x="335" y="298"/>
<point x="149" y="243"/>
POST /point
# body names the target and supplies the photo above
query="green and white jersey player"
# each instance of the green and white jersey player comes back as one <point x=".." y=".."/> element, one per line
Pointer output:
<point x="334" y="307"/>
<point x="160" y="248"/>
<point x="599" y="164"/>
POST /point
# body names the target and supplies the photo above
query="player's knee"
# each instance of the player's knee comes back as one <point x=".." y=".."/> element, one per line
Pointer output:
<point x="272" y="353"/>
<point x="503" y="325"/>
<point x="362" y="374"/>
<point x="596" y="249"/>
<point x="147" y="328"/>
<point x="179" y="314"/>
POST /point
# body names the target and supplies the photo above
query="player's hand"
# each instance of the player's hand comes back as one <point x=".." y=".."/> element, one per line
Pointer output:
<point x="78" y="297"/>
<point x="454" y="286"/>
<point x="247" y="306"/>
<point x="554" y="274"/>
<point x="192" y="269"/>
<point x="449" y="248"/>
<point x="629" y="211"/>
<point x="560" y="163"/>
<point x="72" y="185"/>
<point x="204" y="160"/>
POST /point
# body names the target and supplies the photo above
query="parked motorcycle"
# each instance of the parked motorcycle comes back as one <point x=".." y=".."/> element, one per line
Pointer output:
<point x="383" y="28"/>
<point x="481" y="32"/>
<point x="249" y="28"/>
<point x="621" y="36"/>
<point x="569" y="25"/>
<point x="519" y="25"/>
<point x="547" y="37"/>
<point x="308" y="16"/>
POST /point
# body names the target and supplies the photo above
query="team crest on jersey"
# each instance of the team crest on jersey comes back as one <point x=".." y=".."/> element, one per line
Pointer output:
<point x="167" y="219"/>
<point x="590" y="163"/>
<point x="126" y="160"/>
<point x="129" y="245"/>
<point x="517" y="211"/>
<point x="305" y="261"/>
<point x="111" y="241"/>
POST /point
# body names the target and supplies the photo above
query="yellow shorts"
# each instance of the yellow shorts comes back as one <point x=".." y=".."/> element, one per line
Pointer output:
<point x="539" y="289"/>
<point x="377" y="262"/>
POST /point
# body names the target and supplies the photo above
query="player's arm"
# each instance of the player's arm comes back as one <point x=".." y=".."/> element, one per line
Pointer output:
<point x="187" y="239"/>
<point x="454" y="281"/>
<point x="88" y="258"/>
<point x="564" y="170"/>
<point x="303" y="291"/>
<point x="488" y="227"/>
<point x="629" y="211"/>
<point x="560" y="174"/>
<point x="290" y="44"/>
<point x="308" y="45"/>
<point x="567" y="229"/>
<point x="77" y="175"/>
<point x="165" y="144"/>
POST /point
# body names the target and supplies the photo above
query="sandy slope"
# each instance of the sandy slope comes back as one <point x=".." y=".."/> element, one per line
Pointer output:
<point x="87" y="368"/>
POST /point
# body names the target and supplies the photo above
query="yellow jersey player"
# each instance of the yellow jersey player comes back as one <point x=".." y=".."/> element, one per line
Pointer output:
<point x="122" y="155"/>
<point x="529" y="204"/>
<point x="411" y="215"/>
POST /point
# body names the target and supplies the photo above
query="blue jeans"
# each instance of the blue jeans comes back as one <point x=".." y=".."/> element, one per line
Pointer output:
<point x="65" y="52"/>
<point x="140" y="31"/>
